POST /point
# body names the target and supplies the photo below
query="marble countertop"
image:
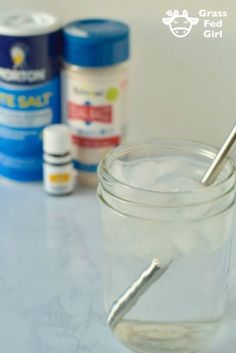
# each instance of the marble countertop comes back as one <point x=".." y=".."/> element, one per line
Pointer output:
<point x="50" y="276"/>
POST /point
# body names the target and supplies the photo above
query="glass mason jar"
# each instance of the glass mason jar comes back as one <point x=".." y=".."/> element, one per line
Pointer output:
<point x="187" y="231"/>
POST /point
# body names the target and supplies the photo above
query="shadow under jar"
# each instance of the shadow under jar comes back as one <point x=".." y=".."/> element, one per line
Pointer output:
<point x="154" y="207"/>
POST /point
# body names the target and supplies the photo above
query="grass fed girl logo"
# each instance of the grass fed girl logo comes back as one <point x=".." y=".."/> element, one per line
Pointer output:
<point x="181" y="24"/>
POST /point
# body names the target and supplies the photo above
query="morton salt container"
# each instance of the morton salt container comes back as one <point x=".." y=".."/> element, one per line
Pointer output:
<point x="30" y="48"/>
<point x="95" y="81"/>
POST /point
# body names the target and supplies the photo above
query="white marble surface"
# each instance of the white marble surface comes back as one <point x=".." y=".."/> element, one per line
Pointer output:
<point x="50" y="276"/>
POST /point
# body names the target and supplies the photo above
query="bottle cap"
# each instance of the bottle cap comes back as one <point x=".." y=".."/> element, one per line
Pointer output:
<point x="28" y="23"/>
<point x="96" y="42"/>
<point x="56" y="140"/>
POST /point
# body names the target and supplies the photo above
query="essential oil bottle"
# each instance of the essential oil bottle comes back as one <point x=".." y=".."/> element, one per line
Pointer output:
<point x="58" y="169"/>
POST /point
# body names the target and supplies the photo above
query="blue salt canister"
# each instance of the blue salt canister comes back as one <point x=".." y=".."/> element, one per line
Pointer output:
<point x="30" y="54"/>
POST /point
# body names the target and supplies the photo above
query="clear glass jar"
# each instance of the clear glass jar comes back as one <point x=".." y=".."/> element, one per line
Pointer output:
<point x="189" y="232"/>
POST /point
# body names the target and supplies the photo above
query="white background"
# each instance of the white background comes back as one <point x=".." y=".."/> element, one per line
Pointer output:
<point x="180" y="87"/>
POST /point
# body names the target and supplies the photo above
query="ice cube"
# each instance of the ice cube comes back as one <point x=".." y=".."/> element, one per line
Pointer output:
<point x="118" y="171"/>
<point x="169" y="183"/>
<point x="182" y="166"/>
<point x="215" y="232"/>
<point x="175" y="165"/>
<point x="187" y="239"/>
<point x="164" y="174"/>
<point x="143" y="175"/>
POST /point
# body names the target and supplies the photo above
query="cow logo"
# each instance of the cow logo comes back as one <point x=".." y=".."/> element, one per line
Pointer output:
<point x="18" y="56"/>
<point x="180" y="24"/>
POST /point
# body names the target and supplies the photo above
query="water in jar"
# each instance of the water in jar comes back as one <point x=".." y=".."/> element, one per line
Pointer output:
<point x="183" y="308"/>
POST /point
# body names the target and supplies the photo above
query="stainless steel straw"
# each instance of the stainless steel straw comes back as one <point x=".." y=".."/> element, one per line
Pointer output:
<point x="220" y="159"/>
<point x="149" y="276"/>
<point x="127" y="300"/>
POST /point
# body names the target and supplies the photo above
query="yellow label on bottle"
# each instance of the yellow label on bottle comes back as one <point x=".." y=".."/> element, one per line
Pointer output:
<point x="59" y="178"/>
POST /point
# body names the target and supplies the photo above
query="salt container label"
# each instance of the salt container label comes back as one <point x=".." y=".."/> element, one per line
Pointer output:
<point x="29" y="60"/>
<point x="96" y="112"/>
<point x="29" y="101"/>
<point x="24" y="112"/>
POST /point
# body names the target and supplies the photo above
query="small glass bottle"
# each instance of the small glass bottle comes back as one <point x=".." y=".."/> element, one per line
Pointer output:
<point x="58" y="169"/>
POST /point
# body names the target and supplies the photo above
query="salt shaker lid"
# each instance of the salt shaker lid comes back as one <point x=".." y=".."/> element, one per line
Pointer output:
<point x="20" y="23"/>
<point x="56" y="139"/>
<point x="96" y="42"/>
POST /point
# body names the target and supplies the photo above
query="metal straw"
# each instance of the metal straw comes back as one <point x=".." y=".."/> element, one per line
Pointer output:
<point x="127" y="300"/>
<point x="220" y="159"/>
<point x="149" y="276"/>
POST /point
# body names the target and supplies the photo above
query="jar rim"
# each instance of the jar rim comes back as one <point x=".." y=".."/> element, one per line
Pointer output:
<point x="107" y="180"/>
